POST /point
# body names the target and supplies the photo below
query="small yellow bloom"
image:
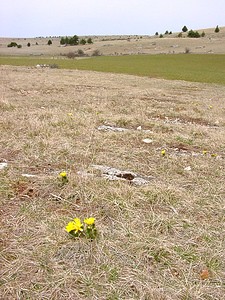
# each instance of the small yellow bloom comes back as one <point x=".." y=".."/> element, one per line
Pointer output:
<point x="204" y="152"/>
<point x="210" y="106"/>
<point x="213" y="154"/>
<point x="163" y="152"/>
<point x="79" y="225"/>
<point x="89" y="221"/>
<point x="71" y="226"/>
<point x="63" y="174"/>
<point x="74" y="225"/>
<point x="70" y="114"/>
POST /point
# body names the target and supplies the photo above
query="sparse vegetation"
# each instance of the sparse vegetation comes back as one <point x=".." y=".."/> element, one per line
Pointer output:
<point x="49" y="42"/>
<point x="28" y="44"/>
<point x="162" y="240"/>
<point x="54" y="66"/>
<point x="185" y="29"/>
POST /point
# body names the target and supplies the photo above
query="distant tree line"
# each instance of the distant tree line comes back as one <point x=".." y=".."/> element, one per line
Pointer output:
<point x="190" y="33"/>
<point x="195" y="34"/>
<point x="74" y="40"/>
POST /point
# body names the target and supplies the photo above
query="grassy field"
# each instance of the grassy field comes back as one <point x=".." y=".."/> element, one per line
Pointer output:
<point x="163" y="240"/>
<point x="191" y="67"/>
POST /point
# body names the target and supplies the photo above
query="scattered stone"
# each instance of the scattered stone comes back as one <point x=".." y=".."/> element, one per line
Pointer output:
<point x="147" y="141"/>
<point x="3" y="165"/>
<point x="111" y="128"/>
<point x="187" y="168"/>
<point x="28" y="175"/>
<point x="39" y="66"/>
<point x="120" y="129"/>
<point x="116" y="174"/>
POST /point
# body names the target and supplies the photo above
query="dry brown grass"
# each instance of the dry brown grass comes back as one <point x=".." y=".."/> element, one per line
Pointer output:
<point x="155" y="240"/>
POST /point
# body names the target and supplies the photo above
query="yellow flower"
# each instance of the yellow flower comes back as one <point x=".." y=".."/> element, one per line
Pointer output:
<point x="74" y="225"/>
<point x="213" y="154"/>
<point x="70" y="114"/>
<point x="71" y="226"/>
<point x="79" y="225"/>
<point x="204" y="152"/>
<point x="163" y="152"/>
<point x="89" y="221"/>
<point x="63" y="174"/>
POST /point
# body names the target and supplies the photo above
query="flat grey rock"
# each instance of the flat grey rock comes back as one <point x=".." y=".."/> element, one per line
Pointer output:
<point x="111" y="128"/>
<point x="116" y="174"/>
<point x="3" y="165"/>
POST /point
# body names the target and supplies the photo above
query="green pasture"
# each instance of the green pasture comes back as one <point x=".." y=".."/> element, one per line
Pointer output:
<point x="206" y="68"/>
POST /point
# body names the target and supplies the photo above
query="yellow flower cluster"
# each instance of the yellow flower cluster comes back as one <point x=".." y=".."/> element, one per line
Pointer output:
<point x="76" y="228"/>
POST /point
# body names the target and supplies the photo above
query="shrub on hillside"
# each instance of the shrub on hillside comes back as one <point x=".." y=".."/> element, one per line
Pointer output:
<point x="89" y="41"/>
<point x="49" y="42"/>
<point x="203" y="34"/>
<point x="193" y="34"/>
<point x="83" y="42"/>
<point x="96" y="53"/>
<point x="187" y="50"/>
<point x="185" y="29"/>
<point x="71" y="55"/>
<point x="12" y="44"/>
<point x="217" y="29"/>
<point x="80" y="52"/>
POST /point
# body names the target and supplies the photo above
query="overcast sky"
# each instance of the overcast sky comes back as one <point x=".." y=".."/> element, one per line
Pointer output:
<point x="33" y="18"/>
